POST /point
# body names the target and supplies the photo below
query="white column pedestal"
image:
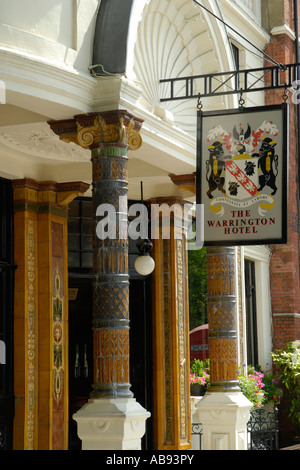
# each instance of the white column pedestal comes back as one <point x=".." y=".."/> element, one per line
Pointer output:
<point x="111" y="424"/>
<point x="224" y="416"/>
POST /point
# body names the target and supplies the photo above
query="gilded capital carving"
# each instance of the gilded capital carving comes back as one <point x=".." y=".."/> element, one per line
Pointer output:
<point x="91" y="130"/>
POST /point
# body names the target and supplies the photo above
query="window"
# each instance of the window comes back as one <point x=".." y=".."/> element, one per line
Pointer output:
<point x="80" y="229"/>
<point x="251" y="313"/>
<point x="80" y="238"/>
<point x="236" y="55"/>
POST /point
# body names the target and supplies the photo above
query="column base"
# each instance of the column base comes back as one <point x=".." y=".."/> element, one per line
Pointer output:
<point x="111" y="424"/>
<point x="224" y="416"/>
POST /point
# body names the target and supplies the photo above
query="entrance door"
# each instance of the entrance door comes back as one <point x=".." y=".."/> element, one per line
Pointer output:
<point x="6" y="315"/>
<point x="141" y="350"/>
<point x="80" y="350"/>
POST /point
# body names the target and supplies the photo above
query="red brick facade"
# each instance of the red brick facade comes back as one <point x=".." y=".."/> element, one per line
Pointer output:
<point x="284" y="270"/>
<point x="285" y="278"/>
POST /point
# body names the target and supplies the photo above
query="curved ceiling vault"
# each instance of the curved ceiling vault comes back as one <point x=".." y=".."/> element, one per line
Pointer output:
<point x="156" y="39"/>
<point x="176" y="38"/>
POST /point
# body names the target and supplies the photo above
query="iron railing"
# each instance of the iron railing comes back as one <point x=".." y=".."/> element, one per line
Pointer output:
<point x="263" y="430"/>
<point x="197" y="430"/>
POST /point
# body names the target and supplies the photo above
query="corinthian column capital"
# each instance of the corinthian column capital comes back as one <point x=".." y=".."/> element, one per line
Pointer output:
<point x="91" y="130"/>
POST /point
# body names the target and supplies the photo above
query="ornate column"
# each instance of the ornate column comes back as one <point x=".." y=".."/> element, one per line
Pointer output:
<point x="41" y="312"/>
<point x="224" y="410"/>
<point x="109" y="135"/>
<point x="222" y="318"/>
<point x="171" y="360"/>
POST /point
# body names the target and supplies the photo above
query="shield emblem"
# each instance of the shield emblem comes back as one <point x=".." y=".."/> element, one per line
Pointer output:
<point x="241" y="177"/>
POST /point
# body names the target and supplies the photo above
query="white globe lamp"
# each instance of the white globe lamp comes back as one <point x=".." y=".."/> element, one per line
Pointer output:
<point x="144" y="264"/>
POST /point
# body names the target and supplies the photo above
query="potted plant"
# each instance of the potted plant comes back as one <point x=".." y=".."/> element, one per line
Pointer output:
<point x="272" y="388"/>
<point x="251" y="384"/>
<point x="199" y="377"/>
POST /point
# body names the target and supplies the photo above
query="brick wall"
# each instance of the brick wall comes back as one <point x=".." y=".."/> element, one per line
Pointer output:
<point x="286" y="328"/>
<point x="285" y="279"/>
<point x="284" y="271"/>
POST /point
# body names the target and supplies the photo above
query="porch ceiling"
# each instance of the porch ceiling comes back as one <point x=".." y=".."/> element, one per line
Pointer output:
<point x="29" y="148"/>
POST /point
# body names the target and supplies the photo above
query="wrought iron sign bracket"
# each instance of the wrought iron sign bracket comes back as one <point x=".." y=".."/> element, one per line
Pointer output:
<point x="228" y="83"/>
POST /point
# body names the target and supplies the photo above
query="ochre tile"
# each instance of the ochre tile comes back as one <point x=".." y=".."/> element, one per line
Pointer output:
<point x="43" y="441"/>
<point x="44" y="279"/>
<point x="44" y="331"/>
<point x="44" y="356"/>
<point x="43" y="253"/>
<point x="44" y="304"/>
<point x="19" y="330"/>
<point x="43" y="410"/>
<point x="19" y="304"/>
<point x="44" y="383"/>
<point x="19" y="384"/>
<point x="43" y="228"/>
<point x="19" y="357"/>
<point x="20" y="251"/>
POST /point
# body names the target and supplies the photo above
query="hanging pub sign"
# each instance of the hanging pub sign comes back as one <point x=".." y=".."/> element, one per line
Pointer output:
<point x="242" y="172"/>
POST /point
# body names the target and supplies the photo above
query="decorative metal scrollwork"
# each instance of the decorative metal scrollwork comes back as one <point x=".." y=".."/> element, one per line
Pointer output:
<point x="263" y="430"/>
<point x="197" y="430"/>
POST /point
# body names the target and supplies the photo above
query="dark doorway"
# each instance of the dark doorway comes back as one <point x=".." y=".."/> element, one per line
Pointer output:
<point x="7" y="399"/>
<point x="80" y="350"/>
<point x="251" y="320"/>
<point x="141" y="350"/>
<point x="80" y="322"/>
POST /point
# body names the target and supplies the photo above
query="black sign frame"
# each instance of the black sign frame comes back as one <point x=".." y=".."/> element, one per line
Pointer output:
<point x="231" y="116"/>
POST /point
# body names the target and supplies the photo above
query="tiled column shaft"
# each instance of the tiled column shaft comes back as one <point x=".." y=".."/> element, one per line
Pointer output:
<point x="111" y="279"/>
<point x="108" y="135"/>
<point x="222" y="318"/>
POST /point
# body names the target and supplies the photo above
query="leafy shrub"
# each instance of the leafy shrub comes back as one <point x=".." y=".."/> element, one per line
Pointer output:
<point x="287" y="361"/>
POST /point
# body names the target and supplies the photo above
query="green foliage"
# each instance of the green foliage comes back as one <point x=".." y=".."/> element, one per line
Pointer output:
<point x="258" y="386"/>
<point x="198" y="367"/>
<point x="197" y="287"/>
<point x="250" y="382"/>
<point x="287" y="361"/>
<point x="272" y="387"/>
<point x="199" y="372"/>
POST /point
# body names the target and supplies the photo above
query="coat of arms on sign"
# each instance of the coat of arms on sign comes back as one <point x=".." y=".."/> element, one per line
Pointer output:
<point x="242" y="163"/>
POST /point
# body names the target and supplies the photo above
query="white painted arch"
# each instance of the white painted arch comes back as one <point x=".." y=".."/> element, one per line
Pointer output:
<point x="170" y="39"/>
